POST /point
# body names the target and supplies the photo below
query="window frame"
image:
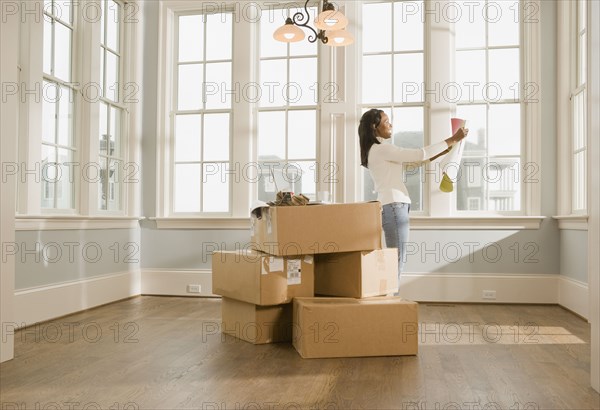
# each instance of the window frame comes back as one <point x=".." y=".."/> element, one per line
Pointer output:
<point x="85" y="55"/>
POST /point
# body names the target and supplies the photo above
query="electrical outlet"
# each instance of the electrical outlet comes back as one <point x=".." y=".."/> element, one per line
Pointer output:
<point x="489" y="294"/>
<point x="194" y="288"/>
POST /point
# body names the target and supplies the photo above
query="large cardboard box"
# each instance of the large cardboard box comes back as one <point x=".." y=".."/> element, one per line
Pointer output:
<point x="262" y="279"/>
<point x="357" y="274"/>
<point x="313" y="229"/>
<point x="256" y="324"/>
<point x="345" y="327"/>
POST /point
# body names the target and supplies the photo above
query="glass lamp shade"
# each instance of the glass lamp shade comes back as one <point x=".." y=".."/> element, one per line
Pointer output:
<point x="331" y="20"/>
<point x="289" y="33"/>
<point x="339" y="38"/>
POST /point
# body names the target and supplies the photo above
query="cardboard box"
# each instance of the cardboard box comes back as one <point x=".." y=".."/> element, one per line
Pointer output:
<point x="313" y="229"/>
<point x="262" y="279"/>
<point x="256" y="324"/>
<point x="345" y="327"/>
<point x="357" y="274"/>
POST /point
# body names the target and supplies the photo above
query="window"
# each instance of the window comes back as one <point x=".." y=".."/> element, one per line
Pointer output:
<point x="58" y="151"/>
<point x="202" y="114"/>
<point x="578" y="114"/>
<point x="112" y="111"/>
<point x="393" y="58"/>
<point x="287" y="117"/>
<point x="488" y="74"/>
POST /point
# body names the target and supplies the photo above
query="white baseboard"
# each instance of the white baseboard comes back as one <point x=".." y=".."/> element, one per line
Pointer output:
<point x="510" y="288"/>
<point x="174" y="282"/>
<point x="48" y="302"/>
<point x="574" y="295"/>
<point x="42" y="303"/>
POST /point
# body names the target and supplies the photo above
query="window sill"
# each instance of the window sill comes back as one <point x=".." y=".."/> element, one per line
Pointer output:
<point x="476" y="222"/>
<point x="416" y="223"/>
<point x="202" y="223"/>
<point x="75" y="222"/>
<point x="572" y="222"/>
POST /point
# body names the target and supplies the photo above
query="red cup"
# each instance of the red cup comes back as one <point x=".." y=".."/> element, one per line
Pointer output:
<point x="457" y="123"/>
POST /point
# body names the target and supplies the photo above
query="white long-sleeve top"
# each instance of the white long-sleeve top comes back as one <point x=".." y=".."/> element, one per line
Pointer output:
<point x="386" y="166"/>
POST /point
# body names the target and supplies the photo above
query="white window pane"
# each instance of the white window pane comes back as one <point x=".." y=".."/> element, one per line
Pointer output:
<point x="115" y="132"/>
<point x="408" y="25"/>
<point x="190" y="87"/>
<point x="216" y="137"/>
<point x="114" y="187"/>
<point x="187" y="188"/>
<point x="218" y="86"/>
<point x="377" y="79"/>
<point x="582" y="60"/>
<point x="476" y="117"/>
<point x="188" y="137"/>
<point x="104" y="137"/>
<point x="408" y="127"/>
<point x="377" y="27"/>
<point x="294" y="177"/>
<point x="48" y="177"/>
<point x="191" y="38"/>
<point x="504" y="74"/>
<point x="303" y="87"/>
<point x="408" y="77"/>
<point x="471" y="191"/>
<point x="470" y="27"/>
<point x="579" y="181"/>
<point x="112" y="26"/>
<point x="64" y="186"/>
<point x="505" y="129"/>
<point x="409" y="133"/>
<point x="103" y="184"/>
<point x="271" y="135"/>
<point x="273" y="78"/>
<point x="66" y="10"/>
<point x="112" y="77"/>
<point x="65" y="117"/>
<point x="102" y="79"/>
<point x="215" y="196"/>
<point x="102" y="21"/>
<point x="305" y="183"/>
<point x="470" y="74"/>
<point x="49" y="112"/>
<point x="47" y="65"/>
<point x="62" y="51"/>
<point x="503" y="22"/>
<point x="302" y="138"/>
<point x="579" y="121"/>
<point x="218" y="36"/>
<point x="503" y="184"/>
<point x="269" y="22"/>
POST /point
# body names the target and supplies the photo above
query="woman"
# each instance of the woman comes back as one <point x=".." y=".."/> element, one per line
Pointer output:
<point x="385" y="163"/>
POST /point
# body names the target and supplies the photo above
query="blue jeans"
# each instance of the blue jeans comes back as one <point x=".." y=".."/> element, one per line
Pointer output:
<point x="396" y="226"/>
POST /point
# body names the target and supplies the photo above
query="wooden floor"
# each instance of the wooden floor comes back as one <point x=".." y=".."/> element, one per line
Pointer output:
<point x="167" y="353"/>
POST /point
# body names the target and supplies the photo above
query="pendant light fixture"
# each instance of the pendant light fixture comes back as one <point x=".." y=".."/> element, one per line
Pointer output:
<point x="331" y="24"/>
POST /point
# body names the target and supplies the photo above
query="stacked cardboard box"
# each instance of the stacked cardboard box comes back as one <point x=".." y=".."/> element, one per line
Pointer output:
<point x="348" y="262"/>
<point x="257" y="291"/>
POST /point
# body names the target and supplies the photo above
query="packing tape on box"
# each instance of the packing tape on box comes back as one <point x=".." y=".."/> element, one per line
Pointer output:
<point x="309" y="259"/>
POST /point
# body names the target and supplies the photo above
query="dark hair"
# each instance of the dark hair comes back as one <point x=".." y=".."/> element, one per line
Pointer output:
<point x="367" y="135"/>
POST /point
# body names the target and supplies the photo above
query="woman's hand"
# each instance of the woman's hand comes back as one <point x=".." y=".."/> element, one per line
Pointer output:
<point x="460" y="134"/>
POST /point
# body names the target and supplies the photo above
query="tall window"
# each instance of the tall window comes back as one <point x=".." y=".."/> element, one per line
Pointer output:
<point x="578" y="114"/>
<point x="112" y="111"/>
<point x="203" y="114"/>
<point x="287" y="118"/>
<point x="58" y="143"/>
<point x="393" y="79"/>
<point x="488" y="75"/>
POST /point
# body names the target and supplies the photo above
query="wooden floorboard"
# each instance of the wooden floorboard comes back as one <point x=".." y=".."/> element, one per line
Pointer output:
<point x="167" y="353"/>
